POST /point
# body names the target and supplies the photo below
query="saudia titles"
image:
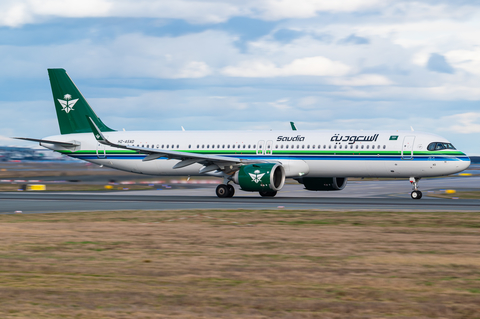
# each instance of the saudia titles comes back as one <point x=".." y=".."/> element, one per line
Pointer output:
<point x="353" y="139"/>
<point x="336" y="138"/>
<point x="298" y="138"/>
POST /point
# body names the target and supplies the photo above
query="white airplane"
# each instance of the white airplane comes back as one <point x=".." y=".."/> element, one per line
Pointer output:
<point x="257" y="161"/>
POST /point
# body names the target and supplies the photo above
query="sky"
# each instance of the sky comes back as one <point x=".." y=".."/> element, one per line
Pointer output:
<point x="246" y="65"/>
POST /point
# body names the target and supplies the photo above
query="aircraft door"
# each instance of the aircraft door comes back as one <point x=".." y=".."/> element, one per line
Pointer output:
<point x="407" y="147"/>
<point x="260" y="147"/>
<point x="101" y="151"/>
<point x="269" y="148"/>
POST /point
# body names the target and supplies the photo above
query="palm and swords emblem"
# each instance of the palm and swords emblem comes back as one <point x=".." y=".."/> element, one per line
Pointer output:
<point x="256" y="177"/>
<point x="68" y="103"/>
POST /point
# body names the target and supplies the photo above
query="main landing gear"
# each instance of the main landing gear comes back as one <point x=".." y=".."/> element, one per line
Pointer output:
<point x="225" y="190"/>
<point x="268" y="193"/>
<point x="415" y="194"/>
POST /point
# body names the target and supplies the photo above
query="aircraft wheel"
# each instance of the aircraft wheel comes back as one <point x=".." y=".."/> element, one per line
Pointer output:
<point x="416" y="194"/>
<point x="222" y="191"/>
<point x="231" y="190"/>
<point x="268" y="193"/>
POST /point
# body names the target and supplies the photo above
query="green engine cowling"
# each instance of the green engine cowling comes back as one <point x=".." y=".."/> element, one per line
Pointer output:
<point x="323" y="183"/>
<point x="260" y="177"/>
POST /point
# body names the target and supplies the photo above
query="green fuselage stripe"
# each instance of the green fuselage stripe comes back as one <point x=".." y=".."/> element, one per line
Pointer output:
<point x="274" y="152"/>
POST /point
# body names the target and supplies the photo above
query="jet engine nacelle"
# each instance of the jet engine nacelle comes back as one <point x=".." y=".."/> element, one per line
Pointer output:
<point x="323" y="183"/>
<point x="260" y="177"/>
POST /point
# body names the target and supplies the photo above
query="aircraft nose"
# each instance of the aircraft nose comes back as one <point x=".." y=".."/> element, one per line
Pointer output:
<point x="464" y="164"/>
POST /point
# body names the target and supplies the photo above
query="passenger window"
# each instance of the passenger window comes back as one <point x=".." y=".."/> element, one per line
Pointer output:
<point x="238" y="146"/>
<point x="329" y="146"/>
<point x="286" y="146"/>
<point x="384" y="146"/>
<point x="203" y="146"/>
<point x="313" y="146"/>
<point x="324" y="146"/>
<point x="335" y="146"/>
<point x="298" y="146"/>
<point x="198" y="146"/>
<point x="276" y="146"/>
<point x="308" y="146"/>
<point x="228" y="146"/>
<point x="356" y="146"/>
<point x="303" y="146"/>
<point x="362" y="147"/>
<point x="244" y="145"/>
<point x="223" y="146"/>
<point x="208" y="146"/>
<point x="281" y="146"/>
<point x="213" y="145"/>
<point x="178" y="146"/>
<point x="368" y="146"/>
<point x="190" y="146"/>
<point x="351" y="146"/>
<point x="340" y="147"/>
<point x="167" y="145"/>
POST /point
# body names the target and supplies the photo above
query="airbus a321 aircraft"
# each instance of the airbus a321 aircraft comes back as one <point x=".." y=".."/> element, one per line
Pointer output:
<point x="258" y="161"/>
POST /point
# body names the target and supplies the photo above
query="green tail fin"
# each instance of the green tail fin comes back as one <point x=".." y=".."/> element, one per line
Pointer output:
<point x="72" y="108"/>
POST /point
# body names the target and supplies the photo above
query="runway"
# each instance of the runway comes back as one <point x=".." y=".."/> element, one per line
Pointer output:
<point x="358" y="195"/>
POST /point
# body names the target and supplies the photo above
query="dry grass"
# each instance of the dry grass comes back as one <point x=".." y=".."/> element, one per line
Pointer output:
<point x="240" y="264"/>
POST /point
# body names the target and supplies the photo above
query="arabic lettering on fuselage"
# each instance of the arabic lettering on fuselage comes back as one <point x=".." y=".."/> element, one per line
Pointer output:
<point x="351" y="139"/>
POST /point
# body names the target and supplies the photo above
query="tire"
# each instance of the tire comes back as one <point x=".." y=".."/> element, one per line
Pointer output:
<point x="231" y="190"/>
<point x="222" y="191"/>
<point x="416" y="194"/>
<point x="268" y="193"/>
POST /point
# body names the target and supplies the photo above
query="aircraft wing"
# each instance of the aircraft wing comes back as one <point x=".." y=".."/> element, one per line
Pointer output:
<point x="210" y="162"/>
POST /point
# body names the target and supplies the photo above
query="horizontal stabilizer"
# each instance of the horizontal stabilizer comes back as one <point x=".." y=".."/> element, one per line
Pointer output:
<point x="64" y="144"/>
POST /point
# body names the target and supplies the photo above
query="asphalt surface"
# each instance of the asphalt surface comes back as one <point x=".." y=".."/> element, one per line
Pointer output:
<point x="358" y="195"/>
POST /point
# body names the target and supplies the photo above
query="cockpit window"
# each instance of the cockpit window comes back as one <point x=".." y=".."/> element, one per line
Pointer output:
<point x="436" y="146"/>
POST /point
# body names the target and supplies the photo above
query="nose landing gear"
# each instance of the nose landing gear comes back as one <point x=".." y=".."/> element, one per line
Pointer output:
<point x="415" y="194"/>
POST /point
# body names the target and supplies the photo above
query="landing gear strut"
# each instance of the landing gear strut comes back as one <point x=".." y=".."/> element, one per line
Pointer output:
<point x="225" y="190"/>
<point x="415" y="194"/>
